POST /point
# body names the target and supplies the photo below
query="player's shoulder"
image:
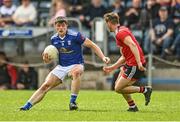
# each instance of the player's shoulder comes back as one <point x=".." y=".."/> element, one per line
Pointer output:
<point x="72" y="32"/>
<point x="54" y="36"/>
<point x="123" y="28"/>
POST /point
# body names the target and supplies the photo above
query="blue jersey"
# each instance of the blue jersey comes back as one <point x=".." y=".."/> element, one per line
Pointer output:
<point x="69" y="47"/>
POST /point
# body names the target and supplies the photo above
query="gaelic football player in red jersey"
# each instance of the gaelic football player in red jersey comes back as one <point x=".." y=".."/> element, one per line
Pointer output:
<point x="132" y="60"/>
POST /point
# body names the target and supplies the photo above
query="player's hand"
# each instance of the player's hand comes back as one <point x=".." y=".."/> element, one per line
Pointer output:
<point x="46" y="58"/>
<point x="106" y="60"/>
<point x="108" y="69"/>
<point x="141" y="67"/>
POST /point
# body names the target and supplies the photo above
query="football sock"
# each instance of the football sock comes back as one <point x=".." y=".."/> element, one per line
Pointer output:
<point x="73" y="98"/>
<point x="142" y="89"/>
<point x="27" y="106"/>
<point x="131" y="104"/>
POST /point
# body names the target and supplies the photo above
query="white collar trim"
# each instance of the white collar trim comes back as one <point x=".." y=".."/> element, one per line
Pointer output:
<point x="62" y="37"/>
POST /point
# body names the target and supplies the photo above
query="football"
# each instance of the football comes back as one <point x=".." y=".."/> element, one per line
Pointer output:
<point x="51" y="51"/>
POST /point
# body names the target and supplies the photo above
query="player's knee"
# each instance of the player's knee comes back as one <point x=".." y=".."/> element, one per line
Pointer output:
<point x="118" y="89"/>
<point x="76" y="74"/>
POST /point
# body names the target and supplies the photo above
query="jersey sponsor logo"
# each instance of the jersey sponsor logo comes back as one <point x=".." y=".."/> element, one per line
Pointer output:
<point x="65" y="50"/>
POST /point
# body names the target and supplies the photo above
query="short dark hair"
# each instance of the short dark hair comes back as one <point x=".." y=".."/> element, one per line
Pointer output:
<point x="60" y="19"/>
<point x="111" y="17"/>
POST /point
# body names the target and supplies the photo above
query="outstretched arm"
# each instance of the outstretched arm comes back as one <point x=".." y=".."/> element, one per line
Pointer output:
<point x="118" y="63"/>
<point x="96" y="49"/>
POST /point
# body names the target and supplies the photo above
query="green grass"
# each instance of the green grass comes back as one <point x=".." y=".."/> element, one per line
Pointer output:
<point x="93" y="105"/>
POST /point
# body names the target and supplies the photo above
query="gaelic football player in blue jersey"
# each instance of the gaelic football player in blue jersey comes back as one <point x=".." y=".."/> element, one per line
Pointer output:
<point x="71" y="62"/>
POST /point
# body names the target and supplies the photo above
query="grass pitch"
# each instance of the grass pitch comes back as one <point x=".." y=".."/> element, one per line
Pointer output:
<point x="93" y="106"/>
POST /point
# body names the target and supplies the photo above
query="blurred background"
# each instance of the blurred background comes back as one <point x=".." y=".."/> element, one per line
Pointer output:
<point x="27" y="25"/>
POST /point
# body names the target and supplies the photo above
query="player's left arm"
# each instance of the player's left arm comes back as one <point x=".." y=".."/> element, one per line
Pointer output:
<point x="134" y="49"/>
<point x="88" y="43"/>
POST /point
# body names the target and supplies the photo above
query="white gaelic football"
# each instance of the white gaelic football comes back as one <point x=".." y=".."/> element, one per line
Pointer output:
<point x="51" y="51"/>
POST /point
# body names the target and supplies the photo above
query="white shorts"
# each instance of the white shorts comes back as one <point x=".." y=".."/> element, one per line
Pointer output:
<point x="61" y="72"/>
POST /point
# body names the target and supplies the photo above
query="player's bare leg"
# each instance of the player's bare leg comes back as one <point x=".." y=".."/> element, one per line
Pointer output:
<point x="127" y="97"/>
<point x="123" y="84"/>
<point x="134" y="89"/>
<point x="132" y="106"/>
<point x="50" y="82"/>
<point x="76" y="73"/>
<point x="124" y="87"/>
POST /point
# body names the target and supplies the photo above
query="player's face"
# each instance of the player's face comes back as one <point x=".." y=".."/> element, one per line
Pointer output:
<point x="109" y="25"/>
<point x="61" y="28"/>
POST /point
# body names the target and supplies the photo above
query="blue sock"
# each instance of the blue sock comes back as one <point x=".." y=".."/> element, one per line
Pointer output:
<point x="73" y="98"/>
<point x="27" y="106"/>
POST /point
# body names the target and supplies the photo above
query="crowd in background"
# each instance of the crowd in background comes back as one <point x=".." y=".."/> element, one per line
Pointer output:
<point x="25" y="77"/>
<point x="159" y="20"/>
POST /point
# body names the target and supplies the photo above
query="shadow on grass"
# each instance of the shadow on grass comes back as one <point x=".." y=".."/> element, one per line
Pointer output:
<point x="120" y="111"/>
<point x="92" y="110"/>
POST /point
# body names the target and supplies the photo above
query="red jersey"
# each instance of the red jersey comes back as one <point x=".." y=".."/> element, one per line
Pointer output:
<point x="122" y="32"/>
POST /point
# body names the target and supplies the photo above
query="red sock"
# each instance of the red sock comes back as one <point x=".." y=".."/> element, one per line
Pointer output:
<point x="142" y="89"/>
<point x="131" y="104"/>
